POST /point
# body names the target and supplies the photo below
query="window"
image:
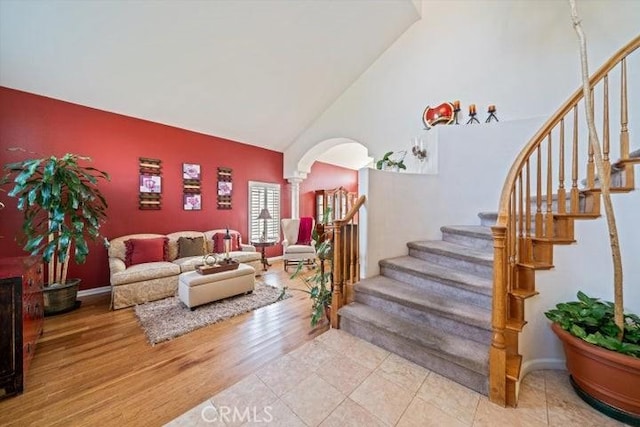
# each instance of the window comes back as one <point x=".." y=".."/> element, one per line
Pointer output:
<point x="263" y="195"/>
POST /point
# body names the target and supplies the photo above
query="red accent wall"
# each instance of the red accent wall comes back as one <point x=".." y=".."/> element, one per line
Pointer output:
<point x="44" y="126"/>
<point x="324" y="176"/>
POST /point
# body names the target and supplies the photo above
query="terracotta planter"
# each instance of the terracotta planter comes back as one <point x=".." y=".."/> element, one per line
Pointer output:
<point x="604" y="375"/>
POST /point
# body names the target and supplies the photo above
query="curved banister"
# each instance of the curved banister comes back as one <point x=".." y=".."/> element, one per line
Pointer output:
<point x="555" y="119"/>
<point x="524" y="238"/>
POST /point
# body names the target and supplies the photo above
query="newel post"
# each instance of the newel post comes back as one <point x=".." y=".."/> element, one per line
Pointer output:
<point x="336" y="297"/>
<point x="498" y="351"/>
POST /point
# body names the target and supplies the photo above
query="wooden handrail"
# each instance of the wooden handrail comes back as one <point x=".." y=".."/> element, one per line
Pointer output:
<point x="345" y="258"/>
<point x="529" y="224"/>
<point x="352" y="212"/>
<point x="553" y="122"/>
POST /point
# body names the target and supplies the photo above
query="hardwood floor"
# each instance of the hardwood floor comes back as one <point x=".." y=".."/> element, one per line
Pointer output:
<point x="94" y="366"/>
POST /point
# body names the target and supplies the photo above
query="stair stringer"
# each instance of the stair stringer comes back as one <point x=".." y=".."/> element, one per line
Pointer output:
<point x="505" y="361"/>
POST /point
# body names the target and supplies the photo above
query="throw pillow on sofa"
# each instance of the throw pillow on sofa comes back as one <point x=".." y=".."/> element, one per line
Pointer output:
<point x="218" y="242"/>
<point x="190" y="246"/>
<point x="140" y="251"/>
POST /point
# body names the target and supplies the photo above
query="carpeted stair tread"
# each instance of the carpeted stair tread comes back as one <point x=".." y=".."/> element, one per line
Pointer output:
<point x="424" y="300"/>
<point x="488" y="218"/>
<point x="453" y="250"/>
<point x="464" y="352"/>
<point x="442" y="274"/>
<point x="478" y="231"/>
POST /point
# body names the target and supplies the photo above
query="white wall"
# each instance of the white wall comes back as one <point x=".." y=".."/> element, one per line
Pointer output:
<point x="520" y="55"/>
<point x="472" y="163"/>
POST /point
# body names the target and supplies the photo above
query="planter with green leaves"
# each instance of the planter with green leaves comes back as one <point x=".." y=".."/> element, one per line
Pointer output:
<point x="62" y="206"/>
<point x="387" y="162"/>
<point x="605" y="370"/>
<point x="601" y="341"/>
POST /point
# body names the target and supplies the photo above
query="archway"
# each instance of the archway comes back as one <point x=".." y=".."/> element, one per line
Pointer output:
<point x="342" y="152"/>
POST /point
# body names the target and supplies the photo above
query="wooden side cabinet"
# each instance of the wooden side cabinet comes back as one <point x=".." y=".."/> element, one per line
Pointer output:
<point x="21" y="319"/>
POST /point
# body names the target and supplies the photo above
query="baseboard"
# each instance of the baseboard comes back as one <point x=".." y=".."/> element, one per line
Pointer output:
<point x="540" y="364"/>
<point x="94" y="291"/>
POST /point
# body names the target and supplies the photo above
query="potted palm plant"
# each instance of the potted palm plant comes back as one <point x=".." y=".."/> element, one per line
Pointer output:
<point x="62" y="206"/>
<point x="320" y="283"/>
<point x="601" y="342"/>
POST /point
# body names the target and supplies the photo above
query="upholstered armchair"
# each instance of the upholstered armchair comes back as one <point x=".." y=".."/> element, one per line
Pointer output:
<point x="298" y="245"/>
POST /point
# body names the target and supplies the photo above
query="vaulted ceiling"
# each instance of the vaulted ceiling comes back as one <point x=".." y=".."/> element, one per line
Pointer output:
<point x="254" y="71"/>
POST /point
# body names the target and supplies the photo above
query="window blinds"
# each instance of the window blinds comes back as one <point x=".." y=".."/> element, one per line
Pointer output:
<point x="263" y="195"/>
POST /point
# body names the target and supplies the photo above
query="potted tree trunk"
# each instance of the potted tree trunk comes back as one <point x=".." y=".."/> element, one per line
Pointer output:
<point x="62" y="206"/>
<point x="601" y="342"/>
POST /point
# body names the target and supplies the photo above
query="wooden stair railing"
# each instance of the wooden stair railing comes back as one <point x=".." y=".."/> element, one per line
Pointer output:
<point x="531" y="219"/>
<point x="346" y="259"/>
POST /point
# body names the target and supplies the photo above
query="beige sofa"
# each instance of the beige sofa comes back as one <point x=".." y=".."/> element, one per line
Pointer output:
<point x="150" y="281"/>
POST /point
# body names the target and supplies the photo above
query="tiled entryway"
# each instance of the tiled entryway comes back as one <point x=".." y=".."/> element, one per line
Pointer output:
<point x="338" y="380"/>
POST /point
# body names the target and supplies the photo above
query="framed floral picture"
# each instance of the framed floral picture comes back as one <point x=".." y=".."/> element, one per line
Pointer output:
<point x="150" y="184"/>
<point x="192" y="202"/>
<point x="224" y="188"/>
<point x="190" y="171"/>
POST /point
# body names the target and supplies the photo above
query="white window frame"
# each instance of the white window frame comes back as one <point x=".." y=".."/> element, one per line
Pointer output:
<point x="255" y="205"/>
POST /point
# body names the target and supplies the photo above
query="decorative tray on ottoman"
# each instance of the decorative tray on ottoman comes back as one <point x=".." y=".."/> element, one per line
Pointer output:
<point x="225" y="265"/>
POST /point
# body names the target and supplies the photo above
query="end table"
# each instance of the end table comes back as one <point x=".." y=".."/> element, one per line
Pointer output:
<point x="262" y="245"/>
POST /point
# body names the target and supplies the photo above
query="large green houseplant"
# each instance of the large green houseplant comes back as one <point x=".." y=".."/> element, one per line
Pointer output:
<point x="319" y="284"/>
<point x="592" y="320"/>
<point x="61" y="207"/>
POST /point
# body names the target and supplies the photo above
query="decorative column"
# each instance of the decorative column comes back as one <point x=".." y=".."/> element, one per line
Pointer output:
<point x="295" y="196"/>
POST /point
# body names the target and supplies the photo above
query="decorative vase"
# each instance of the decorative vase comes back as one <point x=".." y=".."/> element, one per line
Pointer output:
<point x="61" y="298"/>
<point x="607" y="380"/>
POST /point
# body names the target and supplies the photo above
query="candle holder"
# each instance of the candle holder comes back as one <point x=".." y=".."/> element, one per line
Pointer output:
<point x="492" y="114"/>
<point x="456" y="110"/>
<point x="472" y="114"/>
<point x="418" y="149"/>
<point x="420" y="153"/>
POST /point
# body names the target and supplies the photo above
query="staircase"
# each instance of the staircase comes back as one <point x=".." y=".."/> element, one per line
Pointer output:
<point x="432" y="307"/>
<point x="457" y="306"/>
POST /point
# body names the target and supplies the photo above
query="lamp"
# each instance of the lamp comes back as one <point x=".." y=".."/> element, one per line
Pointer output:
<point x="227" y="244"/>
<point x="264" y="216"/>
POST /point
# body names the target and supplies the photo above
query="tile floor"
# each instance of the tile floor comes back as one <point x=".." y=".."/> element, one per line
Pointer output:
<point x="338" y="380"/>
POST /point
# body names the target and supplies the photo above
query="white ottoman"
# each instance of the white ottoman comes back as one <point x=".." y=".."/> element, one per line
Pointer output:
<point x="195" y="289"/>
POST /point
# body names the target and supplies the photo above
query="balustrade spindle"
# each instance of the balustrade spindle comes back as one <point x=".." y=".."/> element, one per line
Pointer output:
<point x="575" y="194"/>
<point x="512" y="235"/>
<point x="624" y="112"/>
<point x="539" y="194"/>
<point x="562" y="194"/>
<point x="528" y="205"/>
<point x="548" y="227"/>
<point x="591" y="167"/>
<point x="520" y="207"/>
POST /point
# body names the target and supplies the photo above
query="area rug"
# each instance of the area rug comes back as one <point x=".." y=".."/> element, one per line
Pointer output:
<point x="169" y="318"/>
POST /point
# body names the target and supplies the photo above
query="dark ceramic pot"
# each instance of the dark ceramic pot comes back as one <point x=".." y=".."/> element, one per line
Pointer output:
<point x="61" y="298"/>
